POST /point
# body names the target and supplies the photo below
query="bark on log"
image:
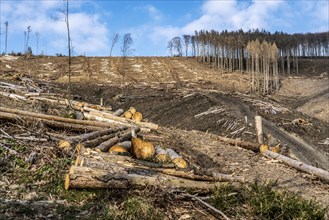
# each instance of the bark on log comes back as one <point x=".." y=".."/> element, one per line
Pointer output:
<point x="118" y="112"/>
<point x="13" y="96"/>
<point x="85" y="177"/>
<point x="87" y="154"/>
<point x="68" y="142"/>
<point x="50" y="123"/>
<point x="105" y="146"/>
<point x="259" y="129"/>
<point x="176" y="159"/>
<point x="236" y="142"/>
<point x="123" y="120"/>
<point x="320" y="173"/>
<point x="56" y="118"/>
<point x="98" y="163"/>
<point x="94" y="142"/>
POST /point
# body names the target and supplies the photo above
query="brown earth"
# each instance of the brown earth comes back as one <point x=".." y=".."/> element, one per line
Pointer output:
<point x="176" y="93"/>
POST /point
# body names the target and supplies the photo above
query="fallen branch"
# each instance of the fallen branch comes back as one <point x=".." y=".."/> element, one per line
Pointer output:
<point x="209" y="206"/>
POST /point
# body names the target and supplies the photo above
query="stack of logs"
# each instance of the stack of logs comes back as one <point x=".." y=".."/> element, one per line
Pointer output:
<point x="116" y="158"/>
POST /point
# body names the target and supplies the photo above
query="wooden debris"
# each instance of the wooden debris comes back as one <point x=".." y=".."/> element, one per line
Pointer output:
<point x="128" y="114"/>
<point x="176" y="159"/>
<point x="118" y="112"/>
<point x="103" y="116"/>
<point x="137" y="116"/>
<point x="259" y="129"/>
<point x="105" y="146"/>
<point x="124" y="178"/>
<point x="212" y="110"/>
<point x="161" y="155"/>
<point x="209" y="206"/>
<point x="320" y="173"/>
<point x="68" y="142"/>
<point x="237" y="142"/>
<point x="13" y="96"/>
<point x="118" y="149"/>
<point x="55" y="118"/>
<point x="50" y="123"/>
<point x="142" y="149"/>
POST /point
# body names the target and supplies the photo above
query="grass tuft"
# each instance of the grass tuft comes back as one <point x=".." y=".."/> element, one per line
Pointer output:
<point x="263" y="202"/>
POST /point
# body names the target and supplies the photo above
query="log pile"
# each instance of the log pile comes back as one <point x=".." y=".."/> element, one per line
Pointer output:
<point x="116" y="158"/>
<point x="94" y="169"/>
<point x="89" y="111"/>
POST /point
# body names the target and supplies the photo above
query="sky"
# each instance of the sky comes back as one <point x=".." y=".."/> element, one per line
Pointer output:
<point x="151" y="23"/>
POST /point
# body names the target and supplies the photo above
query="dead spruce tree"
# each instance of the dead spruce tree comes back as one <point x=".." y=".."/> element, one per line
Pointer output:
<point x="263" y="67"/>
<point x="115" y="39"/>
<point x="126" y="51"/>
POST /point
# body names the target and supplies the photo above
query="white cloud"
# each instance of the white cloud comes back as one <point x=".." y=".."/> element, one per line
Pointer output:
<point x="88" y="33"/>
<point x="154" y="13"/>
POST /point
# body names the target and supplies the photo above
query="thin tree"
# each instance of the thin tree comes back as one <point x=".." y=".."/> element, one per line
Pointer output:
<point x="170" y="47"/>
<point x="37" y="35"/>
<point x="115" y="39"/>
<point x="66" y="13"/>
<point x="25" y="49"/>
<point x="6" y="24"/>
<point x="187" y="40"/>
<point x="27" y="38"/>
<point x="126" y="50"/>
<point x="177" y="45"/>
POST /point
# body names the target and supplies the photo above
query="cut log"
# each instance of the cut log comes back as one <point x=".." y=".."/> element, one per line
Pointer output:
<point x="123" y="120"/>
<point x="161" y="155"/>
<point x="259" y="129"/>
<point x="99" y="163"/>
<point x="94" y="142"/>
<point x="118" y="112"/>
<point x="13" y="96"/>
<point x="142" y="149"/>
<point x="125" y="144"/>
<point x="177" y="159"/>
<point x="127" y="115"/>
<point x="320" y="173"/>
<point x="137" y="117"/>
<point x="50" y="123"/>
<point x="67" y="143"/>
<point x="55" y="118"/>
<point x="85" y="177"/>
<point x="87" y="154"/>
<point x="236" y="142"/>
<point x="105" y="146"/>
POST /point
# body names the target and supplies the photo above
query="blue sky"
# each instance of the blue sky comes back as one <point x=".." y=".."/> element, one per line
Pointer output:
<point x="151" y="23"/>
